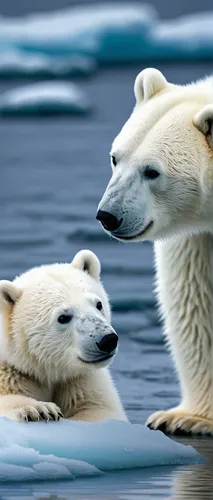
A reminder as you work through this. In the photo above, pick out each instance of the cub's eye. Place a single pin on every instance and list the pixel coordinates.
(99, 305)
(151, 173)
(64, 319)
(114, 162)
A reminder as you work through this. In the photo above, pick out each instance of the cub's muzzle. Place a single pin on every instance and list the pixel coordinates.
(108, 343)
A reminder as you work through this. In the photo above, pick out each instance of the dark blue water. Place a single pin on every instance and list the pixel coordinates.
(165, 8)
(53, 174)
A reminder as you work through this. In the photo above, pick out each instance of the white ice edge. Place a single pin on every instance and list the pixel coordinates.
(68, 449)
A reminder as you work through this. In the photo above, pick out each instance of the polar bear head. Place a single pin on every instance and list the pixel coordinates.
(56, 320)
(162, 162)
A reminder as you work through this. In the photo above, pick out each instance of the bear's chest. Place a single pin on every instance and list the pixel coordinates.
(69, 397)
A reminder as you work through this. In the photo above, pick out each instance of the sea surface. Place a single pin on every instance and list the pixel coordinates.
(53, 174)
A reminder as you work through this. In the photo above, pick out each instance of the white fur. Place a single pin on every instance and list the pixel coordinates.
(170, 130)
(47, 367)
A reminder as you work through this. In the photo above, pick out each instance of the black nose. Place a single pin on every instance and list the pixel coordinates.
(108, 343)
(108, 221)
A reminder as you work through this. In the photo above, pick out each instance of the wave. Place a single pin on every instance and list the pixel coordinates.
(149, 337)
(72, 40)
(85, 236)
(132, 304)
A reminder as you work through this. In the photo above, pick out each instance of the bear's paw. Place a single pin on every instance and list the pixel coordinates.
(180, 423)
(39, 411)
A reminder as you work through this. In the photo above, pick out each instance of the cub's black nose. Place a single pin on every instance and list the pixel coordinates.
(108, 221)
(108, 343)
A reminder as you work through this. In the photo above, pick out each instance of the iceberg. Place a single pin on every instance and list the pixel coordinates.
(18, 63)
(68, 449)
(106, 32)
(74, 39)
(44, 99)
(187, 37)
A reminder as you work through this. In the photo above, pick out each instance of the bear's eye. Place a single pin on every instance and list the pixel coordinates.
(114, 162)
(99, 305)
(151, 173)
(64, 319)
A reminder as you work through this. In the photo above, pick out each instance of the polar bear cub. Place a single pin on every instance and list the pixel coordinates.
(56, 343)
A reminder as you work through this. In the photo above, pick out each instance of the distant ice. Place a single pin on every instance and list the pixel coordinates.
(188, 36)
(67, 449)
(72, 39)
(107, 32)
(15, 62)
(44, 98)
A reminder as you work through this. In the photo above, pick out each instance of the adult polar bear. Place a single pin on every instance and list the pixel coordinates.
(162, 186)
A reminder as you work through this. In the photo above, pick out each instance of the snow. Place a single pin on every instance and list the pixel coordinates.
(68, 449)
(44, 98)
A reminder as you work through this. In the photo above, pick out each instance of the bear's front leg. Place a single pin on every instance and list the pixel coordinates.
(23, 399)
(96, 415)
(177, 421)
(184, 289)
(25, 409)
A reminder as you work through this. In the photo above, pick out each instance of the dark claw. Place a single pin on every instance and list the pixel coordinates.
(60, 414)
(29, 418)
(53, 416)
(42, 415)
(181, 432)
(162, 427)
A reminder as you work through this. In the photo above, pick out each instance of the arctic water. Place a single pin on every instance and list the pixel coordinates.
(53, 173)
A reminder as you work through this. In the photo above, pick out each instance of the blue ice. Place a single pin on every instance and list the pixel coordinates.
(187, 37)
(67, 449)
(74, 39)
(16, 62)
(44, 98)
(106, 32)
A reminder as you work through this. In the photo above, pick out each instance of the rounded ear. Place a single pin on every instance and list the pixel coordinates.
(9, 293)
(87, 261)
(148, 83)
(203, 120)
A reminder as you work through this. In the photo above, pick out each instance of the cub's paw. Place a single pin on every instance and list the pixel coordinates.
(38, 411)
(179, 422)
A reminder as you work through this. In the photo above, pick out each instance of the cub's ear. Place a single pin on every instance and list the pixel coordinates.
(203, 120)
(86, 261)
(9, 293)
(148, 83)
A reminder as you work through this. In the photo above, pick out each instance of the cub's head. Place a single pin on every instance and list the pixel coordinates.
(56, 320)
(162, 162)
